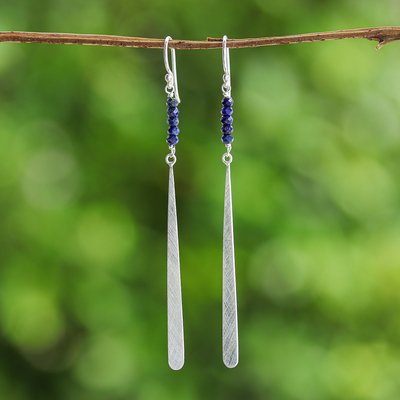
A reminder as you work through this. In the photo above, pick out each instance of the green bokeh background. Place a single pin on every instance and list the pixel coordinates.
(83, 198)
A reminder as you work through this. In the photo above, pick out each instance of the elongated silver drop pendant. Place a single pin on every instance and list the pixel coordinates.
(230, 335)
(176, 352)
(176, 349)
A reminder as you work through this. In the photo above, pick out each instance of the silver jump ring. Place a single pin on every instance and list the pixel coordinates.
(171, 155)
(170, 162)
(169, 78)
(227, 158)
(226, 90)
(227, 155)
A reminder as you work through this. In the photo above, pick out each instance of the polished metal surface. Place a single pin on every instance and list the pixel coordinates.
(176, 352)
(171, 78)
(230, 339)
(226, 87)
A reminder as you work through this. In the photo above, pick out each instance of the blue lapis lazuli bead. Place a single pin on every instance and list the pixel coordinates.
(172, 121)
(172, 102)
(226, 120)
(227, 129)
(172, 112)
(172, 140)
(173, 130)
(227, 102)
(227, 139)
(227, 111)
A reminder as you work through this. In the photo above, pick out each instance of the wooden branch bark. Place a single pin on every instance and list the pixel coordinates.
(382, 35)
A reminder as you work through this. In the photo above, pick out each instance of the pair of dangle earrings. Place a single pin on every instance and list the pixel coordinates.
(230, 342)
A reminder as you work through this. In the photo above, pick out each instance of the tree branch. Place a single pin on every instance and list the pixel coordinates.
(382, 35)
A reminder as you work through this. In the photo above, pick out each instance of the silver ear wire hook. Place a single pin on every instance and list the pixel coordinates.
(171, 77)
(226, 87)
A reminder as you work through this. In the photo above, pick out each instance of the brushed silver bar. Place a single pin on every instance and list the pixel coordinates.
(176, 352)
(230, 336)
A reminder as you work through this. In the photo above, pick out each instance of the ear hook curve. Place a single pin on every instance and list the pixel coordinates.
(173, 72)
(226, 66)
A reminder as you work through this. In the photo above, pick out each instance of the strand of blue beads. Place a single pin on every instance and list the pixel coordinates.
(227, 120)
(172, 121)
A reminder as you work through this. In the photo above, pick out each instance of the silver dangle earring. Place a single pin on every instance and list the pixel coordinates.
(176, 352)
(230, 335)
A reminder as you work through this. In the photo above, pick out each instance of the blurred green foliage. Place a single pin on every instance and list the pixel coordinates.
(83, 192)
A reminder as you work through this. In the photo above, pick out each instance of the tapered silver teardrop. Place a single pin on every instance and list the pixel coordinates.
(176, 352)
(230, 339)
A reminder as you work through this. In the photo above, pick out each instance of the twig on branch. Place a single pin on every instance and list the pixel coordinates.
(382, 35)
